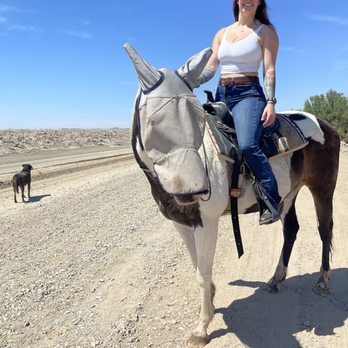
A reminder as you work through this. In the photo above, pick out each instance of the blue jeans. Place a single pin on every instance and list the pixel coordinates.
(247, 102)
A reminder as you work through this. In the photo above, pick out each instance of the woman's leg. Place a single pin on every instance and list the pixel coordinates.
(247, 104)
(247, 119)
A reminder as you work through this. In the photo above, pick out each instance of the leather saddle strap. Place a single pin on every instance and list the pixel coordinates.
(234, 208)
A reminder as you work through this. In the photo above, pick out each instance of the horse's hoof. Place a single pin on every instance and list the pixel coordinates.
(273, 289)
(196, 341)
(321, 289)
(273, 286)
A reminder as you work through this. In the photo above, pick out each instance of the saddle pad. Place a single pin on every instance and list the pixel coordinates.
(289, 130)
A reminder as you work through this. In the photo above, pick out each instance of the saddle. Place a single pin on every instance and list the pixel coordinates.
(282, 137)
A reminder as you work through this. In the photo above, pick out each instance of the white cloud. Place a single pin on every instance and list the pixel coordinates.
(23, 28)
(5, 8)
(329, 19)
(10, 27)
(79, 34)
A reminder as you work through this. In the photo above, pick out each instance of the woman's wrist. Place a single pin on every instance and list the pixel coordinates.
(272, 100)
(271, 106)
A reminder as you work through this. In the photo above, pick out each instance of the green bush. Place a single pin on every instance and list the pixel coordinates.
(331, 107)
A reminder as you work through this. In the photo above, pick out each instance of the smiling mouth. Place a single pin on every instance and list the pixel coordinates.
(247, 5)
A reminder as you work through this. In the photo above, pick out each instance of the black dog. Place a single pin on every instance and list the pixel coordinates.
(20, 180)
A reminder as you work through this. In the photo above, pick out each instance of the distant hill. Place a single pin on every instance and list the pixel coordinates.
(32, 140)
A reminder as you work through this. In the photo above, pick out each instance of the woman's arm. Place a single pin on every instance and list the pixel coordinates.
(270, 49)
(213, 62)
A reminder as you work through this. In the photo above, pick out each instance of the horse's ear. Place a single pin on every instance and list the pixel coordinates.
(147, 74)
(192, 69)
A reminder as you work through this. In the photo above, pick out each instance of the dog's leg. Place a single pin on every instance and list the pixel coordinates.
(22, 191)
(29, 190)
(15, 188)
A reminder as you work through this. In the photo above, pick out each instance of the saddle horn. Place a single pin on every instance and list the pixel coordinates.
(148, 76)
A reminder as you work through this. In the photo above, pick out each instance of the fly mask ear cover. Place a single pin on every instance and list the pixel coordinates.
(172, 133)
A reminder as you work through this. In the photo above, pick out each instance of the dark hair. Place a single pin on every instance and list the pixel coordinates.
(261, 12)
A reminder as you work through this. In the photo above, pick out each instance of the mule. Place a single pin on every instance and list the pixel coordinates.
(190, 183)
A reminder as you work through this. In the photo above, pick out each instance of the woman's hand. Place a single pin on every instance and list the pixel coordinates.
(268, 115)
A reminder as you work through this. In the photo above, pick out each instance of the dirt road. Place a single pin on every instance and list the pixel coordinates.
(90, 262)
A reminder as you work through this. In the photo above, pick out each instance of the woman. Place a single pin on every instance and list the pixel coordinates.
(239, 48)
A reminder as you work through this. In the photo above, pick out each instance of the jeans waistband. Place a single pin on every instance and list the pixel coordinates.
(231, 81)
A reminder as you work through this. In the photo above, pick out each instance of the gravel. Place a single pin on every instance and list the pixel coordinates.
(90, 262)
(81, 261)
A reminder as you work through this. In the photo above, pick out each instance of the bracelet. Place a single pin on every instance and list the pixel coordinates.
(272, 100)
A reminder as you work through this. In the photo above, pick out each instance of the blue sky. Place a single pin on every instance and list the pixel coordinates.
(62, 63)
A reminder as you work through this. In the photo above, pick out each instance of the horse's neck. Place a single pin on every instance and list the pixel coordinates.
(216, 166)
(208, 151)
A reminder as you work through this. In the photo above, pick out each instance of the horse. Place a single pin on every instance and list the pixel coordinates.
(190, 182)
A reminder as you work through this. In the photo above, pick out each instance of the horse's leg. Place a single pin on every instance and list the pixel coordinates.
(205, 242)
(321, 168)
(187, 234)
(290, 229)
(323, 206)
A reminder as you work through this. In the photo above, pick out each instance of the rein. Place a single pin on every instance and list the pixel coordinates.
(207, 175)
(234, 194)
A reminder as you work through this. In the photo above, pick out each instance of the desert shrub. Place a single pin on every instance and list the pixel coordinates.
(331, 107)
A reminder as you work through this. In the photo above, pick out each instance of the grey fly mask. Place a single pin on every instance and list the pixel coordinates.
(172, 123)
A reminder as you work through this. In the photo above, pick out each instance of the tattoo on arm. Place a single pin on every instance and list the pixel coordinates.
(206, 75)
(269, 85)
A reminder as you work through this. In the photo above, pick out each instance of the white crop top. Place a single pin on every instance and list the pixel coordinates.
(241, 56)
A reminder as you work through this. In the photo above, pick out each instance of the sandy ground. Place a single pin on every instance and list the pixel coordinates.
(90, 262)
(61, 151)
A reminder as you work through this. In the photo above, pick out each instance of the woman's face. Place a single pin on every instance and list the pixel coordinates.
(246, 6)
